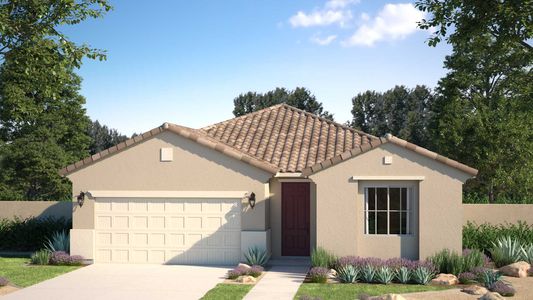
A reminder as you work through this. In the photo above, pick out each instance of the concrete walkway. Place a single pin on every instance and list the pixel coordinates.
(281, 281)
(114, 281)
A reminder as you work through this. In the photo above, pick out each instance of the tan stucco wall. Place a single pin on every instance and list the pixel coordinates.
(498, 213)
(27, 209)
(340, 201)
(275, 213)
(194, 168)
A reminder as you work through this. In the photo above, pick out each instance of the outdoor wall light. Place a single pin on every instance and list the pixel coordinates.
(81, 198)
(251, 199)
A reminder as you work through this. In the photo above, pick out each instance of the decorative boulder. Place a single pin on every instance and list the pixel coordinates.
(475, 290)
(243, 266)
(445, 279)
(492, 296)
(332, 274)
(517, 269)
(246, 279)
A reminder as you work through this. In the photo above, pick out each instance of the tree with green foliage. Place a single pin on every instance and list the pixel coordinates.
(400, 111)
(484, 108)
(300, 98)
(43, 125)
(103, 137)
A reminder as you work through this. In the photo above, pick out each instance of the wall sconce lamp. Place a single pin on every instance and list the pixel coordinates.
(251, 199)
(81, 197)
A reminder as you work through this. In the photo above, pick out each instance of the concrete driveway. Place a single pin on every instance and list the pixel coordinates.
(126, 282)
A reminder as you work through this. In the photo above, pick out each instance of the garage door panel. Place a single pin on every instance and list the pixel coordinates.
(176, 231)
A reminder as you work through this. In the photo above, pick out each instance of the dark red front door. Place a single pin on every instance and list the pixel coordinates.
(295, 214)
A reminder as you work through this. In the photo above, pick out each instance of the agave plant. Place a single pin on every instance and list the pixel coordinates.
(527, 253)
(60, 241)
(257, 256)
(506, 251)
(489, 277)
(368, 273)
(384, 275)
(347, 274)
(423, 275)
(403, 275)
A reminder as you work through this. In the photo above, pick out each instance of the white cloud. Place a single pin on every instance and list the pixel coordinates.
(334, 4)
(320, 18)
(394, 21)
(323, 41)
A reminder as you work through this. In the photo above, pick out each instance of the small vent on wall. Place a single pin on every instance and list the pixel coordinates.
(167, 154)
(387, 160)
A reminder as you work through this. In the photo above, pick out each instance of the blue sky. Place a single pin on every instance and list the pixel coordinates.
(184, 61)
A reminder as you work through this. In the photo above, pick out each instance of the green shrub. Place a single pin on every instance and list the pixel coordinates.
(319, 274)
(29, 234)
(347, 274)
(60, 241)
(527, 253)
(257, 256)
(473, 258)
(506, 250)
(481, 236)
(41, 257)
(320, 257)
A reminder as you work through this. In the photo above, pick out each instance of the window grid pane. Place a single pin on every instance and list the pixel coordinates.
(387, 210)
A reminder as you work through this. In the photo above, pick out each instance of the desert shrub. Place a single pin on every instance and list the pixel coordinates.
(255, 271)
(41, 257)
(3, 281)
(503, 289)
(62, 258)
(29, 234)
(402, 275)
(488, 277)
(236, 272)
(257, 256)
(368, 273)
(320, 257)
(319, 274)
(423, 275)
(467, 277)
(481, 236)
(347, 274)
(506, 250)
(384, 275)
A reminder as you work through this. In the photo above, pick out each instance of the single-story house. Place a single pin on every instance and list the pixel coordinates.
(280, 178)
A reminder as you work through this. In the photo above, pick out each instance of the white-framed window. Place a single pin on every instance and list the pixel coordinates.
(387, 210)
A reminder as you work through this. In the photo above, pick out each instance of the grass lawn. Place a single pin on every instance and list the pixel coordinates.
(228, 291)
(350, 291)
(18, 273)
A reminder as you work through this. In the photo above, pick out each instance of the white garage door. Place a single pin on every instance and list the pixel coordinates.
(167, 230)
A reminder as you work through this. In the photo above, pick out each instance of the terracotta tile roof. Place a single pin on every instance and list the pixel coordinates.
(286, 137)
(280, 138)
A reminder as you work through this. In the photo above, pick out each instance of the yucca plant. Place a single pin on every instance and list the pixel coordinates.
(41, 257)
(506, 251)
(348, 274)
(384, 275)
(368, 273)
(402, 275)
(60, 241)
(422, 275)
(256, 256)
